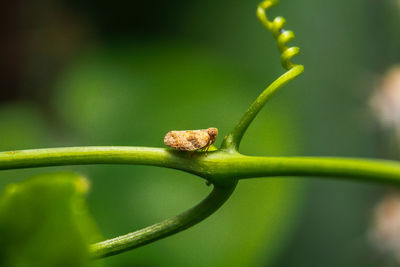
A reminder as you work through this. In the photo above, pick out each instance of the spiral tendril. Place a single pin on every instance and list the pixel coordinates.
(281, 35)
(232, 140)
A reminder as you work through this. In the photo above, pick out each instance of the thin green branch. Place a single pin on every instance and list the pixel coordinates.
(165, 228)
(219, 167)
(232, 141)
(362, 170)
(83, 155)
(97, 155)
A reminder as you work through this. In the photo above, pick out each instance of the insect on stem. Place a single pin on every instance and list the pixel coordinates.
(191, 140)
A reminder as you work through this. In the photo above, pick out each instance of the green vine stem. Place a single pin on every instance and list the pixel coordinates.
(220, 168)
(232, 141)
(165, 228)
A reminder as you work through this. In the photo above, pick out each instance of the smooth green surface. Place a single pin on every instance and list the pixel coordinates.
(44, 222)
(232, 141)
(218, 167)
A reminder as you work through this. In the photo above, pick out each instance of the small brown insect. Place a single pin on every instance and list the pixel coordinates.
(191, 140)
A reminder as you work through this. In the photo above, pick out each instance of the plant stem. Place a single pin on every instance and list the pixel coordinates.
(363, 170)
(232, 141)
(165, 228)
(95, 155)
(219, 167)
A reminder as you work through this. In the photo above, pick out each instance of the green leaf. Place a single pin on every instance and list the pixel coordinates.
(44, 222)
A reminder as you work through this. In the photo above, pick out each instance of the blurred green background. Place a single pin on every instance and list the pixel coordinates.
(126, 72)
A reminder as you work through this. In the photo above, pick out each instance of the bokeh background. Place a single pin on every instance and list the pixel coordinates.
(126, 72)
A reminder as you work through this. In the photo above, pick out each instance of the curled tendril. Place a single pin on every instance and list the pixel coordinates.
(281, 35)
(232, 140)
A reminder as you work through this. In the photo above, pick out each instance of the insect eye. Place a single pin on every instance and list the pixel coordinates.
(212, 131)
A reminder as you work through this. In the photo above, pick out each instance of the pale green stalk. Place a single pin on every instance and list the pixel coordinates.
(219, 167)
(165, 228)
